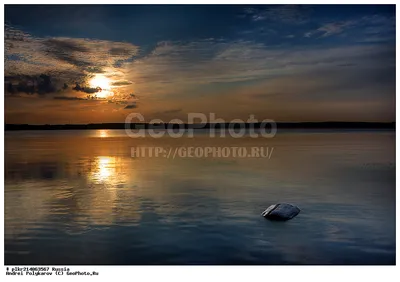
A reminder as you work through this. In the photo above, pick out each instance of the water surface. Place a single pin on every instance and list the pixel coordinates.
(78, 197)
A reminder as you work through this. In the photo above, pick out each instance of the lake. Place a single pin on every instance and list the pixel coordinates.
(79, 197)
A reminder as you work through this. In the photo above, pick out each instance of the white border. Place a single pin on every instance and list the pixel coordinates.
(214, 273)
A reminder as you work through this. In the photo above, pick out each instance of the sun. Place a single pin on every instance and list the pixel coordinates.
(102, 82)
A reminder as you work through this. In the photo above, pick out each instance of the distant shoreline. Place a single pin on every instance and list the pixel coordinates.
(280, 125)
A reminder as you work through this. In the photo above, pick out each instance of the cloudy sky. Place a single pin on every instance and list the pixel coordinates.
(93, 64)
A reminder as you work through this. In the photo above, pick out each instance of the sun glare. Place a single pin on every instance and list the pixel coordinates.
(100, 81)
(103, 133)
(104, 170)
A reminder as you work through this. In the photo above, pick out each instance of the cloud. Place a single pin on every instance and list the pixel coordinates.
(132, 106)
(96, 69)
(240, 61)
(30, 84)
(331, 29)
(89, 90)
(122, 51)
(289, 14)
(66, 50)
(121, 83)
(31, 61)
(366, 26)
(69, 98)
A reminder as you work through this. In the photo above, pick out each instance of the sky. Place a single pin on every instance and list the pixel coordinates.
(290, 63)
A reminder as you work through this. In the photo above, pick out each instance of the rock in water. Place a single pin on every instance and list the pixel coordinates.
(281, 212)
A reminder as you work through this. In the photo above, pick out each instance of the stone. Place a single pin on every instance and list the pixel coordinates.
(281, 211)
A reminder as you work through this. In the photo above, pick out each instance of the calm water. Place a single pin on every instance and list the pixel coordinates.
(78, 197)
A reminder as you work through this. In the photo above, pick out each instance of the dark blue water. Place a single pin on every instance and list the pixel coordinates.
(78, 197)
